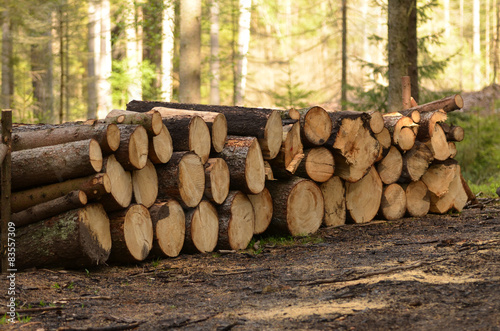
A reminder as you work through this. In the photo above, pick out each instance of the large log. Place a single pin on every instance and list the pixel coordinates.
(438, 144)
(217, 180)
(318, 164)
(132, 234)
(401, 130)
(94, 187)
(393, 202)
(291, 153)
(418, 199)
(428, 123)
(263, 209)
(216, 122)
(169, 228)
(151, 121)
(79, 238)
(415, 162)
(390, 167)
(453, 132)
(265, 124)
(439, 176)
(202, 228)
(447, 104)
(298, 206)
(145, 185)
(454, 198)
(182, 178)
(315, 126)
(160, 147)
(363, 197)
(120, 195)
(236, 221)
(51, 164)
(385, 142)
(33, 136)
(134, 147)
(72, 200)
(246, 165)
(376, 121)
(334, 195)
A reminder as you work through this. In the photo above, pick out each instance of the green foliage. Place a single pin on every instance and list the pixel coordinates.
(3, 320)
(292, 95)
(23, 319)
(256, 244)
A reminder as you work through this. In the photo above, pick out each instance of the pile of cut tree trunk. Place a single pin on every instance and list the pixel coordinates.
(160, 178)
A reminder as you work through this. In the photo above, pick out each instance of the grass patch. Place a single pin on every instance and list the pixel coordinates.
(258, 243)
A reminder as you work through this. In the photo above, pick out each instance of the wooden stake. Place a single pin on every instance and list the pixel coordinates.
(406, 85)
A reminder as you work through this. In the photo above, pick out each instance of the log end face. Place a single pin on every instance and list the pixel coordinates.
(241, 225)
(262, 204)
(145, 185)
(170, 229)
(113, 137)
(320, 164)
(95, 155)
(161, 148)
(317, 126)
(199, 138)
(305, 208)
(273, 136)
(334, 196)
(219, 181)
(138, 232)
(363, 197)
(191, 179)
(156, 122)
(138, 148)
(393, 202)
(95, 234)
(205, 227)
(255, 172)
(219, 132)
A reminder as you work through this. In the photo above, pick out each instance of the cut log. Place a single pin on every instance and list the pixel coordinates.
(355, 149)
(298, 206)
(263, 209)
(415, 162)
(293, 113)
(79, 238)
(121, 185)
(453, 149)
(217, 180)
(428, 123)
(453, 132)
(334, 195)
(182, 178)
(151, 121)
(132, 234)
(438, 144)
(94, 187)
(376, 121)
(134, 147)
(34, 136)
(447, 104)
(72, 200)
(202, 228)
(418, 199)
(216, 123)
(385, 143)
(169, 228)
(413, 114)
(291, 152)
(363, 197)
(401, 129)
(246, 165)
(454, 198)
(390, 167)
(145, 185)
(439, 176)
(315, 126)
(160, 147)
(393, 203)
(236, 221)
(51, 164)
(318, 165)
(265, 124)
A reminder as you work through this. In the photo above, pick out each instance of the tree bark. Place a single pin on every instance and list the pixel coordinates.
(134, 147)
(453, 132)
(145, 185)
(190, 51)
(169, 228)
(151, 121)
(447, 104)
(335, 205)
(428, 121)
(202, 228)
(121, 185)
(236, 221)
(263, 209)
(390, 167)
(393, 202)
(161, 147)
(217, 179)
(318, 165)
(363, 197)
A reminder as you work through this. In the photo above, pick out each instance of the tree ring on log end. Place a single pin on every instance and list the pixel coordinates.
(191, 179)
(263, 209)
(219, 132)
(138, 147)
(255, 172)
(219, 181)
(205, 227)
(241, 225)
(161, 146)
(273, 134)
(138, 232)
(199, 138)
(113, 136)
(95, 223)
(305, 208)
(317, 126)
(171, 229)
(95, 155)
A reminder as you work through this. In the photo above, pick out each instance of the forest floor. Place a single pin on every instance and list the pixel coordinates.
(439, 272)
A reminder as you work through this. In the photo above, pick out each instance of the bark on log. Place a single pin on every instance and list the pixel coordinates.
(182, 178)
(202, 228)
(217, 180)
(393, 202)
(428, 123)
(246, 165)
(315, 126)
(413, 114)
(447, 104)
(415, 162)
(51, 164)
(94, 187)
(418, 200)
(453, 132)
(216, 123)
(34, 136)
(79, 238)
(298, 206)
(72, 200)
(390, 167)
(438, 144)
(132, 234)
(134, 147)
(334, 195)
(291, 153)
(236, 221)
(439, 176)
(265, 124)
(363, 197)
(121, 185)
(401, 129)
(169, 228)
(160, 147)
(151, 121)
(318, 164)
(145, 185)
(376, 121)
(263, 209)
(470, 195)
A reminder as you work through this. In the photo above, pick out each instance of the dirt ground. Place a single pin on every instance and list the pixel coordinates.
(432, 273)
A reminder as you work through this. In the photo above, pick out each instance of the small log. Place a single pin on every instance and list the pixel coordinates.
(263, 210)
(315, 126)
(318, 164)
(453, 132)
(438, 144)
(334, 195)
(120, 195)
(385, 143)
(376, 121)
(246, 165)
(363, 197)
(453, 149)
(428, 123)
(134, 147)
(393, 203)
(447, 104)
(182, 178)
(236, 221)
(151, 121)
(94, 187)
(34, 136)
(298, 206)
(291, 152)
(72, 200)
(79, 238)
(169, 228)
(264, 124)
(217, 180)
(415, 163)
(160, 147)
(413, 114)
(216, 122)
(439, 176)
(51, 164)
(390, 167)
(454, 198)
(418, 199)
(202, 228)
(132, 234)
(401, 129)
(145, 185)
(293, 113)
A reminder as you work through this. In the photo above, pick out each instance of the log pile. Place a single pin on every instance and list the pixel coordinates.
(163, 178)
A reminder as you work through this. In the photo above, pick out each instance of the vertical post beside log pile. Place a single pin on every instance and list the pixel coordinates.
(5, 174)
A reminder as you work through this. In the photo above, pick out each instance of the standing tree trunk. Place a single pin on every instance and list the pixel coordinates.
(190, 51)
(7, 67)
(93, 63)
(413, 49)
(214, 53)
(41, 76)
(343, 98)
(243, 44)
(105, 102)
(133, 53)
(167, 50)
(476, 43)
